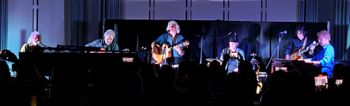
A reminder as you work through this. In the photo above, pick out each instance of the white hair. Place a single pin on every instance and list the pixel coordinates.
(31, 37)
(325, 34)
(109, 32)
(173, 23)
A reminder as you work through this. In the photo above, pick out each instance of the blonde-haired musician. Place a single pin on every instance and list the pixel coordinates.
(324, 58)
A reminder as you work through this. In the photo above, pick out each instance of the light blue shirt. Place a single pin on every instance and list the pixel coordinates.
(167, 38)
(326, 58)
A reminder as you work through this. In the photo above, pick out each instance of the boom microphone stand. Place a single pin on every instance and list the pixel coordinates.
(277, 48)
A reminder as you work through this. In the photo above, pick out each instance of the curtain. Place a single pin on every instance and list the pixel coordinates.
(3, 24)
(336, 13)
(340, 29)
(85, 19)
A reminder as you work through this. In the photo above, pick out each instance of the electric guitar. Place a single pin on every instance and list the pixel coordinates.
(298, 53)
(160, 53)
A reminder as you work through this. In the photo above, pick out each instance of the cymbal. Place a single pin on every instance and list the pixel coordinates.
(210, 60)
(213, 59)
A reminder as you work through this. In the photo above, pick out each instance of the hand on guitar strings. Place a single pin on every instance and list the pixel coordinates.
(178, 49)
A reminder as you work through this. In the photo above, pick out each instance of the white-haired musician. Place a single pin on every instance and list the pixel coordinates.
(33, 43)
(168, 48)
(108, 43)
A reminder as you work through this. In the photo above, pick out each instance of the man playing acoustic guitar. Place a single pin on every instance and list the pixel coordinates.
(297, 46)
(168, 48)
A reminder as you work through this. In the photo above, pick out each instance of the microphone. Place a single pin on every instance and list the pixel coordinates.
(283, 32)
(228, 34)
(314, 43)
(40, 44)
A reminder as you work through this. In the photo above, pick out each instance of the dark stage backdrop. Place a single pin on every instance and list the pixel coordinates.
(208, 38)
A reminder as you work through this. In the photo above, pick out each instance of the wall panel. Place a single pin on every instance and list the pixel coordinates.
(244, 10)
(207, 10)
(135, 9)
(51, 21)
(282, 10)
(170, 9)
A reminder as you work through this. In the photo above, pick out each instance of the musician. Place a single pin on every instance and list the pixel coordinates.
(172, 38)
(298, 43)
(108, 43)
(33, 43)
(324, 58)
(232, 55)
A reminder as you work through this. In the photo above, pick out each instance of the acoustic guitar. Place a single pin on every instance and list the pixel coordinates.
(160, 53)
(298, 53)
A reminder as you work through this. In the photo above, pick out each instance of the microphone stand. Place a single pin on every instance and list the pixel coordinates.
(276, 50)
(201, 51)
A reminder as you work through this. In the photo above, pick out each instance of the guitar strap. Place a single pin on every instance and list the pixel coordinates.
(174, 40)
(304, 44)
(166, 38)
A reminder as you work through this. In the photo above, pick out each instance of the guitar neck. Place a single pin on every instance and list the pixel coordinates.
(183, 44)
(302, 51)
(180, 44)
(307, 48)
